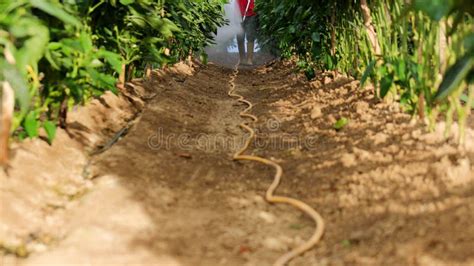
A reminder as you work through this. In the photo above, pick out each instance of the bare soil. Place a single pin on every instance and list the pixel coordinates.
(168, 193)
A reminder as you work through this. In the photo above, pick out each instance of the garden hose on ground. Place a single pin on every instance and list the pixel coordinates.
(269, 196)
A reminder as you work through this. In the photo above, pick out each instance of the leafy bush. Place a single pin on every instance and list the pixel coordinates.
(56, 54)
(418, 52)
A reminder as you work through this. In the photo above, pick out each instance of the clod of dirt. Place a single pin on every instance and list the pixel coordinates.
(316, 112)
(455, 175)
(362, 154)
(380, 138)
(315, 84)
(348, 160)
(361, 107)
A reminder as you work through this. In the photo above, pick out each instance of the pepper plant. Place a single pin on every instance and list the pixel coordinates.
(59, 53)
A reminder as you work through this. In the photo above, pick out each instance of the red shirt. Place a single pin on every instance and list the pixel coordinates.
(243, 6)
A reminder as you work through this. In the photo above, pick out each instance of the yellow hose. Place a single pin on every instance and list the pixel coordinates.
(269, 196)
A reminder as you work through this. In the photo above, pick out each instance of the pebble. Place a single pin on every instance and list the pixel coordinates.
(274, 244)
(316, 112)
(348, 160)
(267, 217)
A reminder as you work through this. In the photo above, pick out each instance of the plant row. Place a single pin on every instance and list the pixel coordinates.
(417, 52)
(57, 54)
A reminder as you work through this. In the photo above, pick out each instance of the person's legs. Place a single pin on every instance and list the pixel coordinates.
(241, 46)
(250, 51)
(251, 31)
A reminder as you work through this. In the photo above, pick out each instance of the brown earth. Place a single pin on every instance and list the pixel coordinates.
(169, 193)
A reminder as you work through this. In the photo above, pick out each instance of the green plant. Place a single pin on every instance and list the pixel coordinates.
(341, 123)
(56, 54)
(419, 52)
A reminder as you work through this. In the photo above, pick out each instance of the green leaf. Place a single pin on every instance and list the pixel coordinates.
(50, 128)
(168, 28)
(465, 99)
(49, 55)
(204, 58)
(54, 45)
(385, 84)
(469, 42)
(368, 71)
(454, 76)
(346, 243)
(55, 11)
(126, 2)
(86, 42)
(100, 80)
(341, 123)
(31, 125)
(95, 63)
(316, 37)
(309, 73)
(18, 83)
(115, 60)
(401, 70)
(292, 29)
(36, 38)
(435, 9)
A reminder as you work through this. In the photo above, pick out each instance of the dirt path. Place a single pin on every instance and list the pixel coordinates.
(170, 194)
